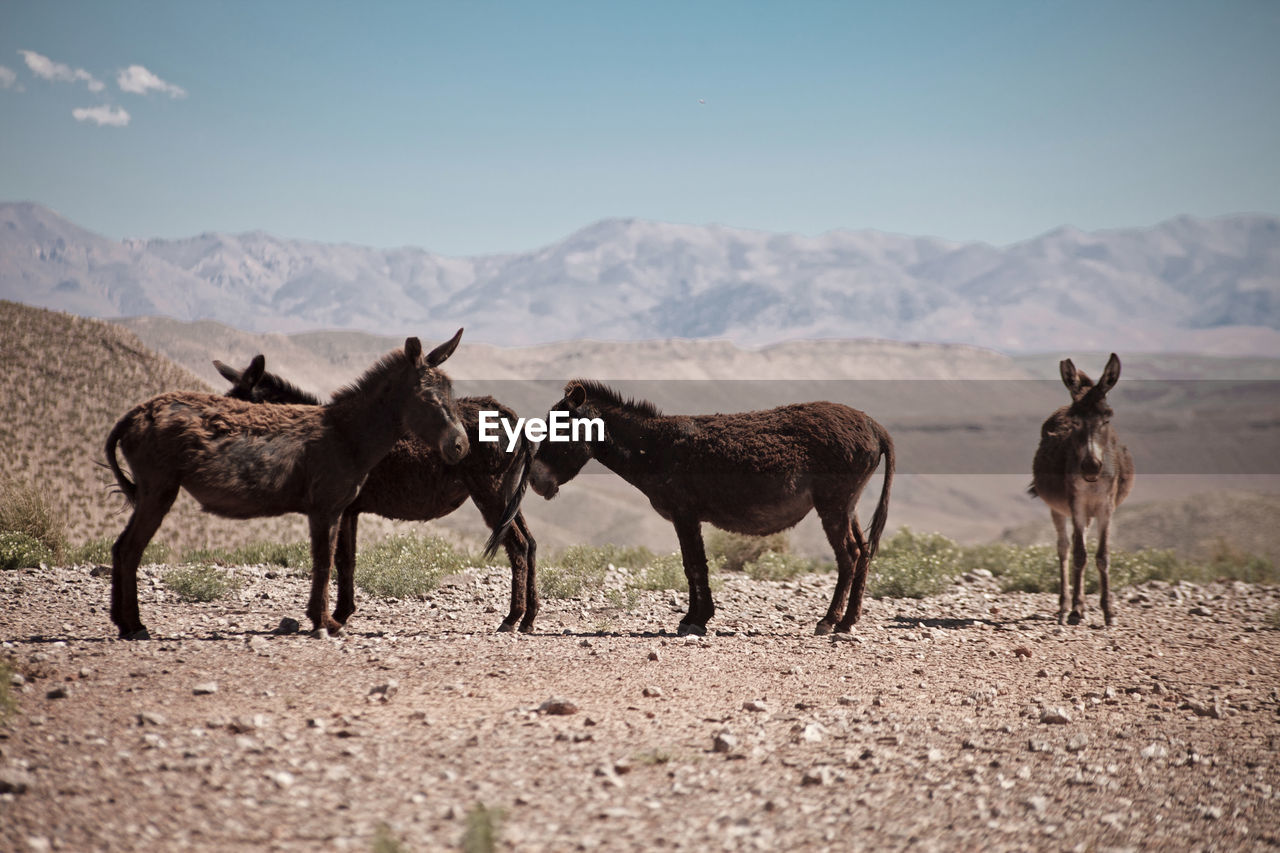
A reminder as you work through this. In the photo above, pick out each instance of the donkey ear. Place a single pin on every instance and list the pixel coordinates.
(442, 352)
(1070, 376)
(228, 372)
(1110, 374)
(413, 349)
(253, 373)
(575, 395)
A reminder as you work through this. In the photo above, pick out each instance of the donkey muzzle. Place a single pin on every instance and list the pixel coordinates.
(453, 448)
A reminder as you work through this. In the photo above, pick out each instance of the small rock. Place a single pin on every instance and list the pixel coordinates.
(755, 706)
(1077, 742)
(14, 780)
(151, 718)
(935, 755)
(1211, 812)
(1202, 709)
(1036, 745)
(282, 778)
(205, 688)
(557, 707)
(1155, 750)
(609, 776)
(817, 776)
(384, 692)
(59, 692)
(652, 692)
(1022, 652)
(848, 700)
(288, 626)
(1055, 716)
(724, 741)
(812, 733)
(1037, 804)
(654, 655)
(17, 679)
(38, 844)
(1200, 611)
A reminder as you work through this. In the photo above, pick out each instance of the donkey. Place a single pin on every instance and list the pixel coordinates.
(244, 461)
(755, 473)
(1082, 471)
(414, 483)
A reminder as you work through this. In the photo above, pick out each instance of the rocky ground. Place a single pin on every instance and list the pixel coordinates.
(968, 720)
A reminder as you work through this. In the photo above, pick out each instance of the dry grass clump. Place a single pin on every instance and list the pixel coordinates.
(736, 550)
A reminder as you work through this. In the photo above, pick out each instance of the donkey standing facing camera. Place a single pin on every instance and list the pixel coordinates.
(1082, 471)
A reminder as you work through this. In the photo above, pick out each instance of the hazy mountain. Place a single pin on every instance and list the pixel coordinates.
(1208, 285)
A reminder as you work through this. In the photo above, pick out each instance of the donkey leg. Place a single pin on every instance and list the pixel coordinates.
(126, 554)
(694, 556)
(1079, 556)
(1103, 559)
(1064, 549)
(517, 548)
(860, 555)
(836, 525)
(531, 576)
(324, 538)
(344, 561)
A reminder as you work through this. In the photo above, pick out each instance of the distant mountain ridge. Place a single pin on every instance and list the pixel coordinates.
(1187, 284)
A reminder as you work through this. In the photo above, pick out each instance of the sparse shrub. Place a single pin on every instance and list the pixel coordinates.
(484, 826)
(24, 509)
(736, 550)
(1230, 563)
(406, 566)
(21, 551)
(622, 599)
(913, 565)
(386, 842)
(582, 567)
(199, 583)
(773, 566)
(7, 702)
(293, 555)
(667, 572)
(1022, 568)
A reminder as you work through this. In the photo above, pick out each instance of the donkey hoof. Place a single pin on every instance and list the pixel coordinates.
(1062, 617)
(1075, 618)
(688, 628)
(824, 628)
(1107, 619)
(506, 627)
(140, 634)
(526, 627)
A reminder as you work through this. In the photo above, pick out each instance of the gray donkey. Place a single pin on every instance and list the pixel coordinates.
(1082, 471)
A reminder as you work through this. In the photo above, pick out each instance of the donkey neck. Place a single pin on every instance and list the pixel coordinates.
(370, 417)
(632, 439)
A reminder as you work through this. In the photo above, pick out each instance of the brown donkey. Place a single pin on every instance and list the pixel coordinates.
(755, 473)
(414, 483)
(244, 461)
(1083, 472)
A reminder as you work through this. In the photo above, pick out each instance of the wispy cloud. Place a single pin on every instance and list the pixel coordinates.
(139, 81)
(110, 116)
(46, 69)
(8, 78)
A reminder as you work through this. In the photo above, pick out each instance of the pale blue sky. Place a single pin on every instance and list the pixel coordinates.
(472, 128)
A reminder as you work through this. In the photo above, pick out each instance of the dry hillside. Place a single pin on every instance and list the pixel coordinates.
(66, 380)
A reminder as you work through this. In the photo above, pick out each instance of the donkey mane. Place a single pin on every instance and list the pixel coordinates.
(599, 392)
(285, 388)
(375, 374)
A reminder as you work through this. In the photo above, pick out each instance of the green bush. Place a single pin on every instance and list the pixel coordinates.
(7, 702)
(293, 555)
(773, 566)
(736, 550)
(484, 827)
(199, 583)
(667, 572)
(1230, 563)
(582, 567)
(24, 509)
(98, 552)
(406, 566)
(913, 565)
(20, 551)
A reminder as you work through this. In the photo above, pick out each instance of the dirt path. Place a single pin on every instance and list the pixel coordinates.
(965, 721)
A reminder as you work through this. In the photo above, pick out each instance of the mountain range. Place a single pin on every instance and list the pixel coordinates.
(1186, 285)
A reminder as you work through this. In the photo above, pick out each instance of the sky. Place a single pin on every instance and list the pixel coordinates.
(477, 128)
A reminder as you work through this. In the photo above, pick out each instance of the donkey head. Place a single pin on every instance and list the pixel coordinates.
(558, 462)
(1090, 416)
(430, 411)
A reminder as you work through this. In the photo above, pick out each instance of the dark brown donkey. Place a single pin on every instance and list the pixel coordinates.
(244, 461)
(414, 483)
(1083, 472)
(755, 473)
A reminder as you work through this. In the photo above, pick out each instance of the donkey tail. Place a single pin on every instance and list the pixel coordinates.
(127, 486)
(882, 508)
(514, 484)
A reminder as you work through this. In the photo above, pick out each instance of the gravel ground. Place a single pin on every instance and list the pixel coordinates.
(968, 720)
